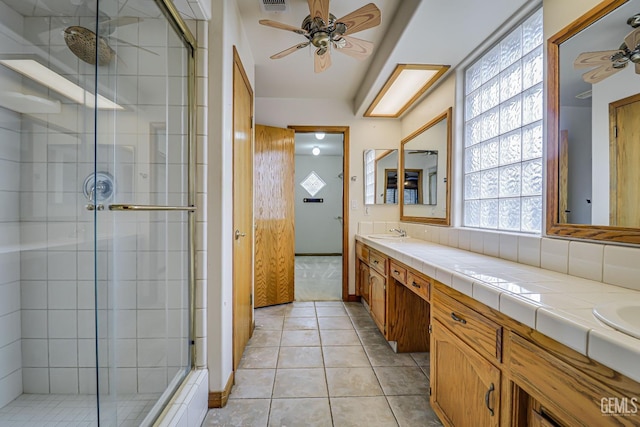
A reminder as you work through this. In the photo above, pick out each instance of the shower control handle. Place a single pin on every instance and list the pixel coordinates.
(92, 207)
(239, 234)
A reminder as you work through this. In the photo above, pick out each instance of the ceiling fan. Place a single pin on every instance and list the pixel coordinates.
(609, 62)
(324, 31)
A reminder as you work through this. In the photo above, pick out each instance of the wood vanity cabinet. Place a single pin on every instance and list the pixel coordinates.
(489, 370)
(465, 383)
(465, 387)
(378, 299)
(371, 283)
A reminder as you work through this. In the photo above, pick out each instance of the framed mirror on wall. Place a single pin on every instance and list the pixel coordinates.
(381, 177)
(593, 155)
(425, 165)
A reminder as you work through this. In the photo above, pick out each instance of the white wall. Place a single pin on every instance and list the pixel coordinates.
(225, 31)
(363, 134)
(577, 121)
(317, 231)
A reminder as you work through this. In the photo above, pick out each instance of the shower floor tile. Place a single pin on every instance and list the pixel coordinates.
(38, 410)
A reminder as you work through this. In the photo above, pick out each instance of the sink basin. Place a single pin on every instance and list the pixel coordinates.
(384, 236)
(623, 316)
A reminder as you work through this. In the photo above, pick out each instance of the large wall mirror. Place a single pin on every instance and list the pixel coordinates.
(593, 154)
(380, 176)
(425, 166)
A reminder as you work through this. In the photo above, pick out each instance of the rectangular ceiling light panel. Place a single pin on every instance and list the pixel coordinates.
(405, 86)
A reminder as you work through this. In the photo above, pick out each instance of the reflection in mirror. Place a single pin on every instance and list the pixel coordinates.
(425, 166)
(595, 95)
(380, 176)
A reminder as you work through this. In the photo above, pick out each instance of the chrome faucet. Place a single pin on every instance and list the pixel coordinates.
(400, 231)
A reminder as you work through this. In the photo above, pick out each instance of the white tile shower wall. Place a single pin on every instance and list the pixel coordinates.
(611, 264)
(200, 29)
(10, 333)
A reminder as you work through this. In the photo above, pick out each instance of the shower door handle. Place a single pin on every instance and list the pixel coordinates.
(127, 207)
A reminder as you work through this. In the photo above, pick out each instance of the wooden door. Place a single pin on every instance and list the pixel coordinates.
(624, 155)
(378, 299)
(242, 209)
(274, 216)
(465, 387)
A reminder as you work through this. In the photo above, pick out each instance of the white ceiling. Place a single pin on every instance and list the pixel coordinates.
(412, 31)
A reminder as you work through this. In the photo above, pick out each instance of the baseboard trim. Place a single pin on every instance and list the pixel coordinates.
(218, 399)
(353, 298)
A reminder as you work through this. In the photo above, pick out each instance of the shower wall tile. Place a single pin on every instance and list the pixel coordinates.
(35, 380)
(62, 324)
(10, 328)
(33, 295)
(34, 353)
(63, 380)
(63, 353)
(10, 358)
(62, 295)
(9, 298)
(10, 387)
(34, 324)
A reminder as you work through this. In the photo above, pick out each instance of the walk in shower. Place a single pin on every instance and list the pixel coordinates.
(96, 210)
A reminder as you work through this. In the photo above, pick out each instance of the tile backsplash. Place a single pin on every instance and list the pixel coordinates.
(611, 264)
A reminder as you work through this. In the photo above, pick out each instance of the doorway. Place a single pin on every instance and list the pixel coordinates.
(321, 214)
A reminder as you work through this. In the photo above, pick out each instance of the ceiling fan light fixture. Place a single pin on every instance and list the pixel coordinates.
(315, 151)
(407, 83)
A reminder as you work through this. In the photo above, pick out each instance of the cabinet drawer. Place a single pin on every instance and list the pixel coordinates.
(484, 335)
(571, 395)
(378, 262)
(362, 252)
(418, 285)
(397, 272)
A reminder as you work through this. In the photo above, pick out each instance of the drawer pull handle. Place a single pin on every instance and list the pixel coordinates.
(375, 261)
(458, 319)
(487, 396)
(396, 272)
(415, 285)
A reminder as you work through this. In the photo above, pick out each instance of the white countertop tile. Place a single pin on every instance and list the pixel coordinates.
(556, 304)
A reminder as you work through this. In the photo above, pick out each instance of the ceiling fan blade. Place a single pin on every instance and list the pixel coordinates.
(356, 48)
(591, 59)
(632, 40)
(281, 26)
(290, 50)
(600, 73)
(368, 16)
(321, 61)
(319, 9)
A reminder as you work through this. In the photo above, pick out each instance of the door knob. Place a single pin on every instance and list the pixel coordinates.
(239, 234)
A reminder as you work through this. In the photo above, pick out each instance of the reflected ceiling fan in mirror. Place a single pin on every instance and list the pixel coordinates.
(324, 32)
(609, 62)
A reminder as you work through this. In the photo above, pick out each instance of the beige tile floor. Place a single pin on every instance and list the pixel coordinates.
(325, 364)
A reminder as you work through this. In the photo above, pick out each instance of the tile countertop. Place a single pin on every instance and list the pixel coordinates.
(557, 305)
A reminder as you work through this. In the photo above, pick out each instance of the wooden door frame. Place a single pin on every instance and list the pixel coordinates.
(237, 61)
(344, 130)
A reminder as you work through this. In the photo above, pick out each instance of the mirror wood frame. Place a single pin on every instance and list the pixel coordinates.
(446, 221)
(553, 226)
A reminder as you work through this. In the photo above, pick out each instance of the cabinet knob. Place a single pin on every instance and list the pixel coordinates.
(415, 285)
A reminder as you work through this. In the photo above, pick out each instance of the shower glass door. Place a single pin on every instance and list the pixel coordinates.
(142, 198)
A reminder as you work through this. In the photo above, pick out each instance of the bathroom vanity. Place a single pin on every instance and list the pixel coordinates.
(503, 352)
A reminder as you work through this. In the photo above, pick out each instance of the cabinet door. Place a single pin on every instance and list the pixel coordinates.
(363, 280)
(378, 299)
(465, 387)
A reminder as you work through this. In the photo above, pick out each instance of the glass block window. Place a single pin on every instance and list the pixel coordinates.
(313, 183)
(503, 133)
(369, 177)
